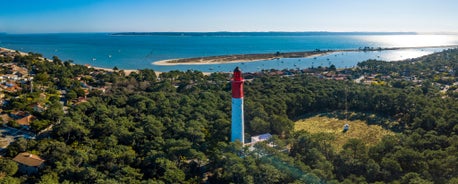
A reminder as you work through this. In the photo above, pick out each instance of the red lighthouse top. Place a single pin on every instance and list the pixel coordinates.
(237, 74)
(237, 84)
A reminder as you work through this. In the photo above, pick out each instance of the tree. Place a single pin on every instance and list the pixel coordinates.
(71, 95)
(281, 125)
(259, 126)
(38, 125)
(9, 180)
(54, 112)
(169, 172)
(8, 167)
(414, 178)
(56, 60)
(353, 158)
(50, 178)
(18, 146)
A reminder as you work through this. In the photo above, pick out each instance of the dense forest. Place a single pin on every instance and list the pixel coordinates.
(175, 127)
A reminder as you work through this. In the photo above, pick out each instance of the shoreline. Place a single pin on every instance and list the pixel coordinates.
(11, 50)
(240, 58)
(126, 71)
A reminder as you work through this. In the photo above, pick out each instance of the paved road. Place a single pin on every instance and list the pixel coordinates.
(11, 134)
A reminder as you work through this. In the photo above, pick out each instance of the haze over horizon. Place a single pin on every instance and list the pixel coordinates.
(55, 16)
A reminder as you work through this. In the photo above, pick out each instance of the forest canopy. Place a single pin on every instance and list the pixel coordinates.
(175, 127)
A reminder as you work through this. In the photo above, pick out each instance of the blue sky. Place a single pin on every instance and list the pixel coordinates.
(44, 16)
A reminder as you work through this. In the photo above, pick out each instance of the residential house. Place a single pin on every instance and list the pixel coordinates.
(37, 107)
(25, 121)
(42, 96)
(18, 114)
(257, 139)
(5, 118)
(11, 87)
(79, 100)
(28, 163)
(260, 138)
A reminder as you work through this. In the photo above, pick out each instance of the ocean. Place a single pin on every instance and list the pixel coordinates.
(141, 50)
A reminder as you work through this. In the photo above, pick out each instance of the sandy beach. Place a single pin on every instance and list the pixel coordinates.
(11, 50)
(240, 58)
(127, 72)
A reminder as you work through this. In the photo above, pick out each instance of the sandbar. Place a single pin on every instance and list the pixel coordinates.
(238, 58)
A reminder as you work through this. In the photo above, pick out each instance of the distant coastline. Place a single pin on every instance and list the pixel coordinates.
(267, 33)
(271, 56)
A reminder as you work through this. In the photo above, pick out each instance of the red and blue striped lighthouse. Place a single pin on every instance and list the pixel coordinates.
(237, 127)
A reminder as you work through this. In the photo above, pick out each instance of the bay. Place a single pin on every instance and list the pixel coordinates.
(141, 51)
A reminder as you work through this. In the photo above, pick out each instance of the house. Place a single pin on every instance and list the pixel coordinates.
(260, 138)
(102, 89)
(5, 118)
(42, 96)
(80, 100)
(18, 114)
(37, 107)
(25, 121)
(28, 163)
(10, 77)
(10, 87)
(257, 139)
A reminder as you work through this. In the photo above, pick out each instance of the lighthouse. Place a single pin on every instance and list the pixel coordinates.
(237, 127)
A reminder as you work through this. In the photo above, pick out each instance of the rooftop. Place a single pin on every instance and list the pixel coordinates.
(25, 121)
(28, 159)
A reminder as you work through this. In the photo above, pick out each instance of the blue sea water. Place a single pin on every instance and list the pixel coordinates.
(141, 51)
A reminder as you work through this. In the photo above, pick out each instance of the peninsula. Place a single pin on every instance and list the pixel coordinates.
(277, 55)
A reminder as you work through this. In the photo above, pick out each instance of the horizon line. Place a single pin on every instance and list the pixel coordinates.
(201, 32)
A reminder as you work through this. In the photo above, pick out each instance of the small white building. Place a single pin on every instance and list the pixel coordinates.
(257, 139)
(260, 138)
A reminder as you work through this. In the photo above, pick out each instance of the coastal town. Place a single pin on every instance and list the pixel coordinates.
(243, 92)
(24, 101)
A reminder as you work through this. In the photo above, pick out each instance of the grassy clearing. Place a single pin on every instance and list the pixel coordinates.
(369, 134)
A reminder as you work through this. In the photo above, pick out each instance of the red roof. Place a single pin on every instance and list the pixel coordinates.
(25, 121)
(28, 159)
